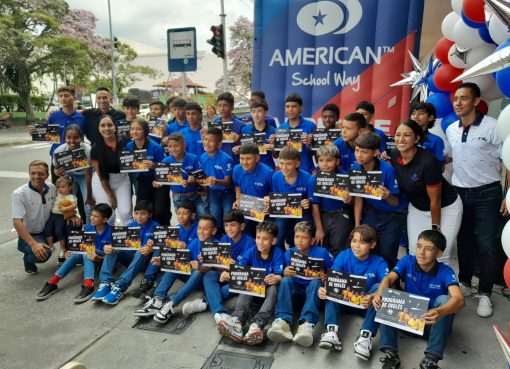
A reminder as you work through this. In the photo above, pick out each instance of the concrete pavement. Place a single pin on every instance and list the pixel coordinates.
(17, 134)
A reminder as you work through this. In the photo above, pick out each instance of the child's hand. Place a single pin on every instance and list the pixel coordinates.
(431, 317)
(68, 254)
(385, 193)
(212, 181)
(148, 164)
(289, 272)
(377, 300)
(60, 171)
(156, 184)
(194, 264)
(235, 149)
(146, 250)
(319, 236)
(272, 279)
(269, 146)
(108, 249)
(271, 139)
(91, 256)
(156, 260)
(224, 276)
(348, 200)
(113, 200)
(31, 130)
(235, 137)
(306, 139)
(235, 205)
(305, 203)
(266, 201)
(322, 293)
(367, 301)
(200, 258)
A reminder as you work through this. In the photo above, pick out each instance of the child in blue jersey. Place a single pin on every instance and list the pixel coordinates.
(98, 223)
(111, 291)
(251, 177)
(388, 215)
(368, 110)
(266, 255)
(206, 231)
(186, 212)
(193, 133)
(353, 125)
(217, 166)
(225, 103)
(359, 260)
(257, 96)
(333, 222)
(216, 289)
(189, 190)
(424, 276)
(258, 111)
(293, 110)
(178, 122)
(294, 289)
(290, 179)
(425, 115)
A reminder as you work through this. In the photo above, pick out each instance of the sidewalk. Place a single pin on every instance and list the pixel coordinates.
(50, 333)
(16, 135)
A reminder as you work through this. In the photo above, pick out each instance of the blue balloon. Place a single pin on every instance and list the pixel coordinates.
(503, 81)
(432, 85)
(485, 35)
(469, 22)
(441, 101)
(448, 120)
(503, 45)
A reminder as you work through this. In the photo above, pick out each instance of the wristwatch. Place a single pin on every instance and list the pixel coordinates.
(436, 227)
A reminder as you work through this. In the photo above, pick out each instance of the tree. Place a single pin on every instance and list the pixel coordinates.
(240, 55)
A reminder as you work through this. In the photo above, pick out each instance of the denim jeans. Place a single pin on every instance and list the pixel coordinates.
(196, 199)
(81, 183)
(192, 284)
(333, 310)
(220, 203)
(216, 292)
(29, 258)
(478, 236)
(292, 293)
(132, 260)
(437, 333)
(70, 263)
(389, 228)
(166, 282)
(151, 272)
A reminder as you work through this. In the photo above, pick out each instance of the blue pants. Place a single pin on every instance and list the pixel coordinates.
(29, 257)
(166, 282)
(151, 272)
(196, 199)
(70, 263)
(220, 203)
(291, 292)
(437, 333)
(333, 309)
(132, 260)
(193, 283)
(478, 238)
(216, 292)
(389, 228)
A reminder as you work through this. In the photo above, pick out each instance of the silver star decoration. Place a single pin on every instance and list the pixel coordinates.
(461, 53)
(501, 8)
(417, 78)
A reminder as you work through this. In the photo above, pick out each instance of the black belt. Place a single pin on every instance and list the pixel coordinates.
(479, 188)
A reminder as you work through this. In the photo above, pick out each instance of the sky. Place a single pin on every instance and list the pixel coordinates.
(146, 21)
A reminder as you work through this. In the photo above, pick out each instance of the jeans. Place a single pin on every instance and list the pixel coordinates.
(192, 284)
(81, 183)
(152, 271)
(55, 227)
(478, 236)
(134, 262)
(389, 228)
(166, 282)
(29, 258)
(333, 310)
(216, 292)
(70, 263)
(291, 293)
(195, 199)
(220, 203)
(262, 316)
(437, 333)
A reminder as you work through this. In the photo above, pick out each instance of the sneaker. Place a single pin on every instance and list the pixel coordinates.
(165, 313)
(193, 307)
(219, 317)
(103, 290)
(114, 296)
(150, 308)
(61, 257)
(465, 289)
(304, 336)
(254, 336)
(85, 294)
(330, 341)
(279, 331)
(363, 345)
(47, 291)
(484, 309)
(31, 269)
(390, 360)
(143, 289)
(429, 363)
(231, 328)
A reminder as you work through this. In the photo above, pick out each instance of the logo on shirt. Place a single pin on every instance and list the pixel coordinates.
(219, 167)
(414, 177)
(434, 286)
(260, 184)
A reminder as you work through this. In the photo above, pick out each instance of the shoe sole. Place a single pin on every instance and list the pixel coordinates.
(485, 315)
(31, 273)
(223, 330)
(82, 299)
(254, 339)
(145, 313)
(361, 356)
(303, 341)
(160, 320)
(42, 298)
(279, 336)
(193, 311)
(329, 346)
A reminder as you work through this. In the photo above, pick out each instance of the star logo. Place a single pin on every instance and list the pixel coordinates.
(319, 18)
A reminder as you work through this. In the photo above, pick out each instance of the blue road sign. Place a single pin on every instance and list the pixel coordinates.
(182, 49)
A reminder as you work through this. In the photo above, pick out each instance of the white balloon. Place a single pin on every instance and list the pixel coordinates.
(457, 6)
(505, 239)
(448, 23)
(503, 128)
(485, 82)
(466, 37)
(454, 59)
(479, 53)
(497, 29)
(505, 152)
(492, 93)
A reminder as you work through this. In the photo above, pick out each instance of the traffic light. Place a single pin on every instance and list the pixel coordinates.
(116, 42)
(217, 41)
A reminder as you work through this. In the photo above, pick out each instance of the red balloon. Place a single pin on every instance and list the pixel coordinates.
(442, 48)
(474, 10)
(482, 107)
(506, 274)
(444, 75)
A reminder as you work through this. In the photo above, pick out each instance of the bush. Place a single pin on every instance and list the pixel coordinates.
(13, 103)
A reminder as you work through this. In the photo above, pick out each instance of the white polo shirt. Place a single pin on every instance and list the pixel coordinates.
(476, 152)
(32, 207)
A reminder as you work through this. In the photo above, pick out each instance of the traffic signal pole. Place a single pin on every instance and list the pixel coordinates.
(114, 82)
(225, 71)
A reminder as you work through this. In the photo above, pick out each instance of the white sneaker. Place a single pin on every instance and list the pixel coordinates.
(193, 307)
(484, 306)
(231, 328)
(363, 345)
(218, 317)
(330, 341)
(304, 336)
(466, 290)
(165, 313)
(150, 308)
(254, 336)
(279, 331)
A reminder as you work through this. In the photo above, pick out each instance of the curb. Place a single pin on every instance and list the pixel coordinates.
(16, 142)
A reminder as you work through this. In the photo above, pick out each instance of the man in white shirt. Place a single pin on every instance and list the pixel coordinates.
(476, 151)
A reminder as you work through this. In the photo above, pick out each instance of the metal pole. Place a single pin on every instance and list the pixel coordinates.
(183, 84)
(225, 72)
(112, 50)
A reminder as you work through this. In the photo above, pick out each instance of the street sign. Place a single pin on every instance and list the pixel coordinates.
(182, 49)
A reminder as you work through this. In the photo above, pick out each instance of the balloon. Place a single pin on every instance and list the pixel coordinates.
(492, 94)
(432, 86)
(453, 58)
(482, 107)
(470, 23)
(503, 127)
(485, 82)
(442, 48)
(441, 101)
(448, 23)
(474, 10)
(503, 81)
(505, 238)
(457, 6)
(485, 35)
(466, 37)
(498, 30)
(444, 75)
(479, 53)
(506, 274)
(448, 120)
(505, 155)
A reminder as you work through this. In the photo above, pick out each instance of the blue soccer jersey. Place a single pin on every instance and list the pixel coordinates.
(146, 231)
(193, 139)
(308, 128)
(258, 183)
(347, 157)
(237, 249)
(64, 121)
(280, 185)
(273, 264)
(219, 166)
(102, 239)
(188, 235)
(435, 145)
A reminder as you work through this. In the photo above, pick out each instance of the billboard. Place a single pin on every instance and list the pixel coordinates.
(336, 51)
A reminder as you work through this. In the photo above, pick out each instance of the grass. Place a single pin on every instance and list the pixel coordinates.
(20, 117)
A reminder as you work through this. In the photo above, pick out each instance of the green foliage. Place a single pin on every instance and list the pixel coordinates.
(13, 103)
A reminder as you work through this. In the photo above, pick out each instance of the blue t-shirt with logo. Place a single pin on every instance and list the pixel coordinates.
(280, 185)
(146, 231)
(65, 121)
(347, 157)
(237, 249)
(102, 239)
(273, 264)
(314, 252)
(435, 145)
(188, 235)
(219, 166)
(193, 139)
(190, 163)
(308, 128)
(258, 183)
(174, 126)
